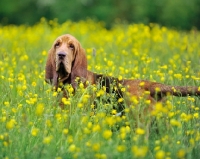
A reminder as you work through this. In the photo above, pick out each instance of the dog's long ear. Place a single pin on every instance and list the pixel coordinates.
(51, 76)
(79, 68)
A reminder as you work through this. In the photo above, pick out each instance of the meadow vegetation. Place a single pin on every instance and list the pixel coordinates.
(32, 125)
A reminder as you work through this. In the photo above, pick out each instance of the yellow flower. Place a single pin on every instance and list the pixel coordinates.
(70, 89)
(139, 151)
(181, 153)
(100, 156)
(121, 148)
(163, 67)
(178, 142)
(88, 144)
(128, 129)
(86, 131)
(114, 111)
(34, 131)
(5, 143)
(171, 114)
(191, 99)
(84, 119)
(110, 63)
(70, 139)
(89, 125)
(157, 148)
(100, 93)
(44, 53)
(34, 84)
(55, 94)
(6, 103)
(14, 110)
(110, 121)
(140, 131)
(107, 134)
(123, 89)
(160, 154)
(1, 137)
(24, 87)
(134, 99)
(148, 102)
(174, 122)
(47, 139)
(85, 98)
(65, 131)
(178, 75)
(10, 124)
(72, 148)
(126, 110)
(120, 78)
(65, 101)
(59, 89)
(96, 128)
(157, 89)
(81, 85)
(92, 106)
(142, 84)
(185, 117)
(196, 115)
(122, 135)
(39, 109)
(48, 123)
(80, 105)
(96, 146)
(120, 100)
(58, 116)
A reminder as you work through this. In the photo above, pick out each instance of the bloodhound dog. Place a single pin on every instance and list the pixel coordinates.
(67, 61)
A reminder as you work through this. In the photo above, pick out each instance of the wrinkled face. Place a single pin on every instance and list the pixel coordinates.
(65, 49)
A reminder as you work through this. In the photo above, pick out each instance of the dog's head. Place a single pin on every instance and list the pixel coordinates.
(66, 61)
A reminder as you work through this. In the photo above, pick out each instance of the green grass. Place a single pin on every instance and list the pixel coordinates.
(32, 125)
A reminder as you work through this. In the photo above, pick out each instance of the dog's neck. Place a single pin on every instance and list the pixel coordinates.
(64, 79)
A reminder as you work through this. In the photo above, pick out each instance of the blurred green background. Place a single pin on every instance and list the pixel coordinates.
(179, 14)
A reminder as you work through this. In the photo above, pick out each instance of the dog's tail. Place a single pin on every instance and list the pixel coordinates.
(158, 89)
(185, 91)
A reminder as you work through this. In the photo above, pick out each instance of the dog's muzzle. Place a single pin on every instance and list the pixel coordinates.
(61, 55)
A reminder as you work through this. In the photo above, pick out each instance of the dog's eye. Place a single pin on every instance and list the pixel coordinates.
(71, 46)
(57, 44)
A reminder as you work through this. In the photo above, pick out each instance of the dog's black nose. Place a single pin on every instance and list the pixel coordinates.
(61, 54)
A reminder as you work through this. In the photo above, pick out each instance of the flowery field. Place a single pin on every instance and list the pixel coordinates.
(32, 125)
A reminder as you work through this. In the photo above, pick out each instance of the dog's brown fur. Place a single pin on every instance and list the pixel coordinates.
(67, 60)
